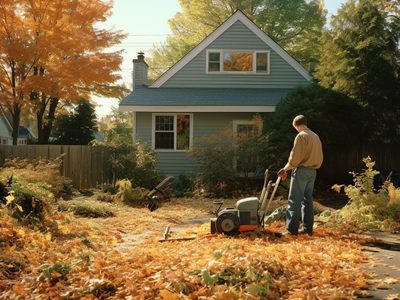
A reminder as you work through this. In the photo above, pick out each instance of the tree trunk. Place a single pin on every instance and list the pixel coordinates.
(49, 125)
(39, 118)
(15, 115)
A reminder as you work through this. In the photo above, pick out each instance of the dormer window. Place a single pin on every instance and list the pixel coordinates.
(237, 62)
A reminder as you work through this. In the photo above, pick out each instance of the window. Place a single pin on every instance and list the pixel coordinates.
(246, 160)
(244, 62)
(172, 131)
(244, 164)
(214, 62)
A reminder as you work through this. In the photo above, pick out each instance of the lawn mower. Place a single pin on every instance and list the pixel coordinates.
(249, 212)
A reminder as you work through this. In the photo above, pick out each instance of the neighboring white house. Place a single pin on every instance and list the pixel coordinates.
(236, 72)
(25, 135)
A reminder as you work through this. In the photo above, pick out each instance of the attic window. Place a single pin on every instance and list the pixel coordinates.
(237, 62)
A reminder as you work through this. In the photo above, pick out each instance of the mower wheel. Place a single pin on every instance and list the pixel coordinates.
(227, 223)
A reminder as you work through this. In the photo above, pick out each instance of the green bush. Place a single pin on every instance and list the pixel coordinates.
(110, 188)
(135, 162)
(366, 208)
(230, 160)
(29, 201)
(185, 186)
(129, 195)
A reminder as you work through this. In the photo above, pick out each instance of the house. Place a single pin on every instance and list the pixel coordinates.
(5, 130)
(25, 135)
(236, 72)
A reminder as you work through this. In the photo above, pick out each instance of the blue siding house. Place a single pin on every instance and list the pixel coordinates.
(238, 71)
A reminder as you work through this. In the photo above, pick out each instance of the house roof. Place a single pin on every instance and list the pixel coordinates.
(98, 136)
(203, 100)
(24, 132)
(237, 16)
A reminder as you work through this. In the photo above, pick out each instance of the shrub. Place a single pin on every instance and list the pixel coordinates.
(86, 208)
(36, 171)
(110, 188)
(135, 162)
(185, 186)
(129, 195)
(231, 160)
(366, 208)
(105, 197)
(28, 201)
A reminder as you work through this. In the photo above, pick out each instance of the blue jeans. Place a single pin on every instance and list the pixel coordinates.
(300, 201)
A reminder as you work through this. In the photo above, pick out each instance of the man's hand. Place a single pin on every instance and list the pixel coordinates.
(281, 172)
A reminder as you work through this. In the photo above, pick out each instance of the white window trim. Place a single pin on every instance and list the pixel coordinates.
(221, 64)
(244, 122)
(153, 131)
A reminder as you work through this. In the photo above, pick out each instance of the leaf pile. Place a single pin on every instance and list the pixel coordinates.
(79, 259)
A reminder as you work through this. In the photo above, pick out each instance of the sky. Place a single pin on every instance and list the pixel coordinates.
(146, 22)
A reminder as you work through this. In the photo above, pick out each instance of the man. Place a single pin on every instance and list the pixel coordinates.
(305, 158)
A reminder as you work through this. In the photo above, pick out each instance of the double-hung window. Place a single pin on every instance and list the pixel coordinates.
(172, 131)
(237, 62)
(246, 161)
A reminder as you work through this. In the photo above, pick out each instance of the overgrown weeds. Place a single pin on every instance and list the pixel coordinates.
(368, 209)
(36, 171)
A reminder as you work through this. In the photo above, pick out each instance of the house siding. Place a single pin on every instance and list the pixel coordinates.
(5, 131)
(143, 130)
(237, 37)
(204, 124)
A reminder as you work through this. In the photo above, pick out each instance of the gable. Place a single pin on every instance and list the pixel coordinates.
(238, 33)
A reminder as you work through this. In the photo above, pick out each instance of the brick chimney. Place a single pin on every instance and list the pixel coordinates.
(140, 69)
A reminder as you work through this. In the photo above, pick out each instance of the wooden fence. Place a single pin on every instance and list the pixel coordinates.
(89, 166)
(86, 166)
(340, 160)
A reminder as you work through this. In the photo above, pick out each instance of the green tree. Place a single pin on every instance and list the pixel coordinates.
(360, 59)
(330, 114)
(296, 25)
(119, 128)
(77, 127)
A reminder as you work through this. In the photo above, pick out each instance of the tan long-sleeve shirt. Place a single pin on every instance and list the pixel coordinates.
(307, 151)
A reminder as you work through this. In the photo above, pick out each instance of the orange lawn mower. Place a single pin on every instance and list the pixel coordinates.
(249, 213)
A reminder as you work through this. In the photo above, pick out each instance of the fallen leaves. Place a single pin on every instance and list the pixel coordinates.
(79, 259)
(393, 297)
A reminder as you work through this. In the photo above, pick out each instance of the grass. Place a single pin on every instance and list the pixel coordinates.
(87, 208)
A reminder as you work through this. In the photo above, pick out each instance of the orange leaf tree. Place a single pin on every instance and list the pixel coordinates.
(50, 52)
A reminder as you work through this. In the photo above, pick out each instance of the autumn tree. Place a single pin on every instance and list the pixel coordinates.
(296, 25)
(51, 51)
(361, 60)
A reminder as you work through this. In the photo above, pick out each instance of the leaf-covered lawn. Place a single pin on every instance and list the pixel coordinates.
(121, 257)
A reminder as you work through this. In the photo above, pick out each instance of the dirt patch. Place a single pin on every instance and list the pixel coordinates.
(331, 199)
